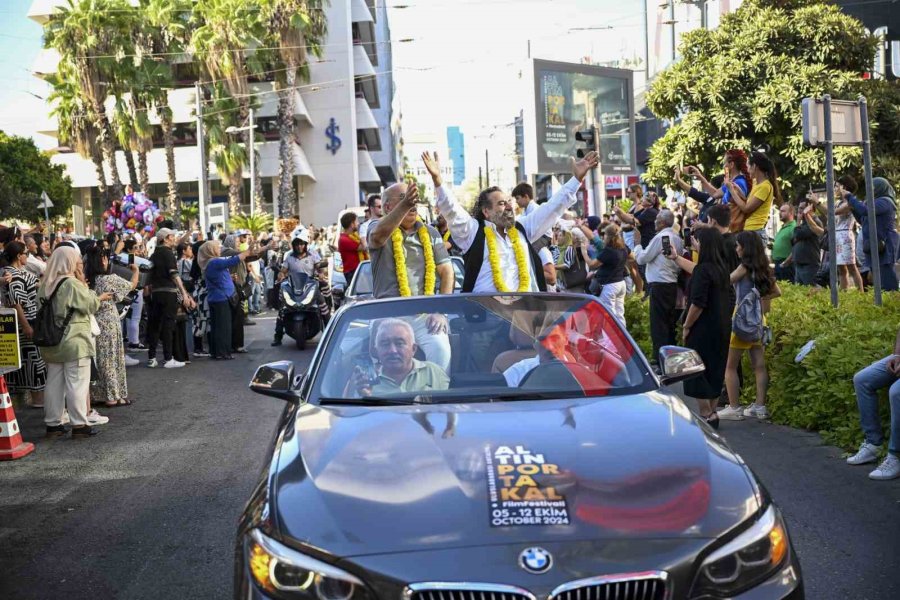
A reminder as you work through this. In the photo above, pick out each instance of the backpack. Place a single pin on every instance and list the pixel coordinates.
(46, 331)
(747, 324)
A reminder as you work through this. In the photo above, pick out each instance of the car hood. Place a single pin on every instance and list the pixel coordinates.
(359, 480)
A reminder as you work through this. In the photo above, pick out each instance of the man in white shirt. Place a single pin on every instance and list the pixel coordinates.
(376, 212)
(35, 266)
(494, 211)
(662, 279)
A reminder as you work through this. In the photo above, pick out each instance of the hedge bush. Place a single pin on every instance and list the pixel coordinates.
(816, 394)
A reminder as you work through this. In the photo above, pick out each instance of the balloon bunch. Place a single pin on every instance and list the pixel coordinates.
(134, 213)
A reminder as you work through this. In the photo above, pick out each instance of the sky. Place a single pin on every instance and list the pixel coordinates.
(464, 64)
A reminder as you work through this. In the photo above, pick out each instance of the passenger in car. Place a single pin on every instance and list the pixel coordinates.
(400, 371)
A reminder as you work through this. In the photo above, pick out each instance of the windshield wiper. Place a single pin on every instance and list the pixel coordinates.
(527, 396)
(368, 401)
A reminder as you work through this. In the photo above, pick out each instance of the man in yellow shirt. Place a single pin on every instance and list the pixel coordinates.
(764, 192)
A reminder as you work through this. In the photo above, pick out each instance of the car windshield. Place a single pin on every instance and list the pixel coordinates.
(363, 285)
(476, 348)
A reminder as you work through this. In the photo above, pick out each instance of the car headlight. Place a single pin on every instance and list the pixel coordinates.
(288, 299)
(286, 573)
(746, 560)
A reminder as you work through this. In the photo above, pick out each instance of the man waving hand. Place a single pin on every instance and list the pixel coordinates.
(498, 252)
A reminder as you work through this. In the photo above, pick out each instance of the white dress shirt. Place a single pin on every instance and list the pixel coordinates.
(659, 268)
(464, 227)
(35, 266)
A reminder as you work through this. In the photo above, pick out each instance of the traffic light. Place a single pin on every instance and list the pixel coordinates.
(589, 137)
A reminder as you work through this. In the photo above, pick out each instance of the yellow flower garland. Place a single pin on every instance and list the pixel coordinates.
(362, 254)
(494, 260)
(400, 261)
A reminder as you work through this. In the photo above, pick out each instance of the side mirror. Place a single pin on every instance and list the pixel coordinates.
(678, 364)
(276, 379)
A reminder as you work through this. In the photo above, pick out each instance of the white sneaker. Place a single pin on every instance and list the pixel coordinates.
(867, 453)
(731, 414)
(888, 469)
(65, 418)
(131, 361)
(95, 418)
(152, 363)
(173, 364)
(755, 410)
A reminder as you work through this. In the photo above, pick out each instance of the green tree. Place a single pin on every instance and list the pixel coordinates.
(89, 36)
(25, 172)
(226, 33)
(741, 85)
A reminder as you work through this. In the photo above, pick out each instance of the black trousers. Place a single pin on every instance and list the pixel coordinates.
(663, 316)
(161, 323)
(237, 326)
(220, 328)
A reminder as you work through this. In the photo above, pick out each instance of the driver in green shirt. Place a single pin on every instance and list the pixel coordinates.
(399, 372)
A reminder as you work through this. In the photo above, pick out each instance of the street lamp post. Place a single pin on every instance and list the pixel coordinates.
(250, 127)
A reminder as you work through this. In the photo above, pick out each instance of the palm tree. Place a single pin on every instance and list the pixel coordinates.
(226, 31)
(89, 34)
(256, 223)
(166, 30)
(225, 152)
(297, 28)
(124, 127)
(76, 129)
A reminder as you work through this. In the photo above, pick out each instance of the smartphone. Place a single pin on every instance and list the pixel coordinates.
(667, 245)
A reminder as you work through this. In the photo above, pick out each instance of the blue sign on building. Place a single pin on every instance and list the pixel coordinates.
(331, 132)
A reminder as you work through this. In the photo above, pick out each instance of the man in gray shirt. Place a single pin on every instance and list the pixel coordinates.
(400, 206)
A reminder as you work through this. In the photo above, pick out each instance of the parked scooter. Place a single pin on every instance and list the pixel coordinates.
(300, 313)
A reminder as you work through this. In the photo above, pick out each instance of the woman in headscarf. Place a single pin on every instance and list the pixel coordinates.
(220, 295)
(885, 227)
(112, 386)
(239, 277)
(200, 316)
(69, 362)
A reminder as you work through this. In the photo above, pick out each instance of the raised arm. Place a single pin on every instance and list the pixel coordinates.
(379, 236)
(541, 220)
(462, 225)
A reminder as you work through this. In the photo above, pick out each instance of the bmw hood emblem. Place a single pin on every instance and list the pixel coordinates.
(535, 560)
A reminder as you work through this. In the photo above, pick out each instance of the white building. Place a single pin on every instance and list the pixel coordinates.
(347, 117)
(413, 147)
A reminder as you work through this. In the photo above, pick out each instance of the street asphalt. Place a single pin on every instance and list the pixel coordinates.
(148, 508)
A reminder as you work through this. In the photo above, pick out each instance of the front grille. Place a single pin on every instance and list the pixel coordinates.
(615, 588)
(457, 591)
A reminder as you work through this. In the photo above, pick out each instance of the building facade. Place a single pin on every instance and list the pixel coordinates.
(346, 116)
(456, 142)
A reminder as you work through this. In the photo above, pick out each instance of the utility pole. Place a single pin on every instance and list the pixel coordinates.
(487, 168)
(480, 187)
(829, 193)
(252, 165)
(201, 150)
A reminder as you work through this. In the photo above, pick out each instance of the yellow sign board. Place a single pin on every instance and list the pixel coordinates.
(10, 359)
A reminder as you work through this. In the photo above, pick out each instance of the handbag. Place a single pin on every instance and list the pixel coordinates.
(576, 276)
(46, 331)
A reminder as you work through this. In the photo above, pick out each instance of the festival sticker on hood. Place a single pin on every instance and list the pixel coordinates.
(516, 493)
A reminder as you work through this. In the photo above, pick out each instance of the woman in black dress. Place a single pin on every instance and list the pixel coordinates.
(708, 323)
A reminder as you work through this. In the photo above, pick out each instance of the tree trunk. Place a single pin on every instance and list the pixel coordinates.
(132, 171)
(174, 201)
(101, 174)
(143, 176)
(109, 148)
(234, 196)
(287, 200)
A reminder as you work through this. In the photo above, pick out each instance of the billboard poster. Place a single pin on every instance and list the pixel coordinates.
(570, 97)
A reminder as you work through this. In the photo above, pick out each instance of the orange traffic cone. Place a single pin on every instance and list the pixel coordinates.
(11, 444)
